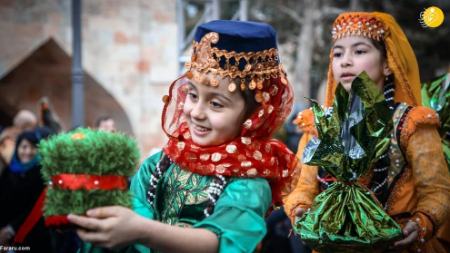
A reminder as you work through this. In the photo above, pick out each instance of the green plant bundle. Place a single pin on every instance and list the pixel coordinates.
(352, 134)
(86, 152)
(436, 95)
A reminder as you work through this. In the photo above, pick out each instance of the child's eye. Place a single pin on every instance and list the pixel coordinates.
(337, 54)
(192, 96)
(215, 104)
(360, 51)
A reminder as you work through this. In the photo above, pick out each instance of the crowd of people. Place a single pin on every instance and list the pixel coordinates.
(220, 174)
(21, 182)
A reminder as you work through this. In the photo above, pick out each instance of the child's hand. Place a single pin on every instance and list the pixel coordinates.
(6, 234)
(299, 212)
(411, 233)
(109, 227)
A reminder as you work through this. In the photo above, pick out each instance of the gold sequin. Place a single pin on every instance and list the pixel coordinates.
(252, 172)
(191, 157)
(220, 169)
(252, 85)
(204, 157)
(268, 147)
(242, 86)
(273, 90)
(181, 145)
(257, 155)
(165, 99)
(214, 82)
(246, 163)
(266, 96)
(189, 74)
(284, 81)
(260, 113)
(231, 148)
(246, 140)
(272, 161)
(258, 97)
(270, 109)
(232, 87)
(248, 123)
(216, 157)
(259, 84)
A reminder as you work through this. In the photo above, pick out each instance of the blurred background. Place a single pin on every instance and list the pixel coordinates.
(130, 52)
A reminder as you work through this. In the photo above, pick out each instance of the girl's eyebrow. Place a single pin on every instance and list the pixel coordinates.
(360, 43)
(353, 45)
(212, 94)
(192, 86)
(217, 94)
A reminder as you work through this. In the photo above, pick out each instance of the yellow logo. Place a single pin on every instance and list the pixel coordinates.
(431, 17)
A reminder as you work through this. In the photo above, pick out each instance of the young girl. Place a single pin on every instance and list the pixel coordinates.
(414, 186)
(209, 188)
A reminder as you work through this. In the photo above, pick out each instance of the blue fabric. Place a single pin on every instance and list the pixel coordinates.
(18, 167)
(239, 36)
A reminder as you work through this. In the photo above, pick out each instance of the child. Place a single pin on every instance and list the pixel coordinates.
(414, 187)
(208, 190)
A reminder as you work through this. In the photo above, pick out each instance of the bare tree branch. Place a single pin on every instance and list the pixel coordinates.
(331, 11)
(291, 13)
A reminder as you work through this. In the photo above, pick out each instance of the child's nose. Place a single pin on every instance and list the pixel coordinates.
(198, 111)
(347, 60)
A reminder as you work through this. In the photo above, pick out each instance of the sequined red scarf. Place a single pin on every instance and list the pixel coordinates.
(252, 154)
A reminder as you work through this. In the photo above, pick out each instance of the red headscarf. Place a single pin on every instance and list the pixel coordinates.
(253, 153)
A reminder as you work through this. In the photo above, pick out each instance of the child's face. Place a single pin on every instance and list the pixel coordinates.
(26, 151)
(353, 55)
(214, 115)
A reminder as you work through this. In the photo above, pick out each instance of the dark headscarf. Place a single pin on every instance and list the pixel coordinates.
(33, 136)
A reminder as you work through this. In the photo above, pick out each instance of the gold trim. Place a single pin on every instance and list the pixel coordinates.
(259, 65)
(359, 25)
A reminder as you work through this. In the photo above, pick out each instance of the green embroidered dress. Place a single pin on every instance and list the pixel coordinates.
(238, 217)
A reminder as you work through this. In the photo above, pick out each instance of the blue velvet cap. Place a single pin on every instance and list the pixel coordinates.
(246, 52)
(239, 36)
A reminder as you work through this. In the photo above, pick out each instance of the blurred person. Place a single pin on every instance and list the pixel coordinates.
(105, 123)
(7, 143)
(25, 120)
(20, 187)
(47, 116)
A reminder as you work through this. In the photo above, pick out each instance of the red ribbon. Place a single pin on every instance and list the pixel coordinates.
(57, 221)
(31, 220)
(89, 182)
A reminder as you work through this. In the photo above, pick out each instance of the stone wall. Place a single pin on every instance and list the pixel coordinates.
(129, 48)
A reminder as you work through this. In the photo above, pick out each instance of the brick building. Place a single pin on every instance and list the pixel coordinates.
(129, 59)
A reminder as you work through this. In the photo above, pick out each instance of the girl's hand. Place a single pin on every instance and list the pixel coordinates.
(411, 233)
(299, 212)
(109, 227)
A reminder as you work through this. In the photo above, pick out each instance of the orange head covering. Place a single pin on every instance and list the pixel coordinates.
(401, 59)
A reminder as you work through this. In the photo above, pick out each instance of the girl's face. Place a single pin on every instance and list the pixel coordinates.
(214, 115)
(26, 151)
(353, 55)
